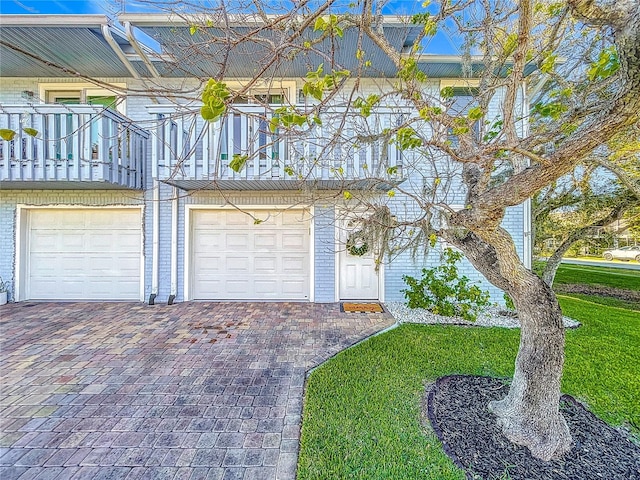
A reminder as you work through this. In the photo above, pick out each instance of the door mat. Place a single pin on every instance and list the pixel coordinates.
(361, 308)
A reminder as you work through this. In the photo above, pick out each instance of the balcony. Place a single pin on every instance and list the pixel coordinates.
(345, 151)
(71, 147)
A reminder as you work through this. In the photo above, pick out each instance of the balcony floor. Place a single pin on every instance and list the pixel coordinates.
(61, 185)
(256, 185)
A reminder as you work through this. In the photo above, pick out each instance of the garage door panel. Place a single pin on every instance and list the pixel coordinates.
(237, 286)
(264, 240)
(237, 241)
(293, 264)
(266, 288)
(207, 240)
(211, 265)
(83, 254)
(265, 264)
(292, 218)
(237, 218)
(292, 288)
(294, 241)
(238, 264)
(267, 261)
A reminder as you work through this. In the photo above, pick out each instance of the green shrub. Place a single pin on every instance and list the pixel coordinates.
(443, 291)
(508, 302)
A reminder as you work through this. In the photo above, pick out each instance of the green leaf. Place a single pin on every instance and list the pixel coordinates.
(347, 195)
(320, 24)
(606, 65)
(447, 92)
(193, 29)
(257, 221)
(238, 162)
(510, 44)
(548, 63)
(475, 113)
(207, 114)
(406, 138)
(214, 97)
(392, 170)
(391, 194)
(552, 110)
(30, 131)
(7, 134)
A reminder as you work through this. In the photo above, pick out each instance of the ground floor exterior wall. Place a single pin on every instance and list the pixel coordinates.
(167, 236)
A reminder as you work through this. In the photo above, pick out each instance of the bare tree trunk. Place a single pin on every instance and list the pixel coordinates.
(550, 269)
(529, 415)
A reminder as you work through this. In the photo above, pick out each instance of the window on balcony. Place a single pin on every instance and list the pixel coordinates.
(464, 98)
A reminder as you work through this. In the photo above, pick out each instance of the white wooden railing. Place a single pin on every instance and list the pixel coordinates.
(73, 143)
(343, 147)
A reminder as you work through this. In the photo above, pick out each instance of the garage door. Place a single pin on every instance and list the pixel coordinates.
(83, 254)
(233, 258)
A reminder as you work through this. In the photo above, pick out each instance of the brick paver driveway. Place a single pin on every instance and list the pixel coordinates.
(194, 390)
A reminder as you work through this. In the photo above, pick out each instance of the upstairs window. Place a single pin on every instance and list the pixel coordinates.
(464, 99)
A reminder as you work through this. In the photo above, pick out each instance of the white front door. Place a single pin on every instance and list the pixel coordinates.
(358, 278)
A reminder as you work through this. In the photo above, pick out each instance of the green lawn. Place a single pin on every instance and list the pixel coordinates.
(362, 408)
(606, 276)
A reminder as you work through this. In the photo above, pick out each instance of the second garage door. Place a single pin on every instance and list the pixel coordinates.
(236, 258)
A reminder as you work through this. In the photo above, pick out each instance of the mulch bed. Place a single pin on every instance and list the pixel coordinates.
(457, 410)
(619, 293)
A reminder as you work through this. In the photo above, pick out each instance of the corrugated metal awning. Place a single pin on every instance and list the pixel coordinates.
(63, 46)
(242, 50)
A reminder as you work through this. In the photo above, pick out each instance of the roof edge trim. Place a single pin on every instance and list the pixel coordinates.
(69, 21)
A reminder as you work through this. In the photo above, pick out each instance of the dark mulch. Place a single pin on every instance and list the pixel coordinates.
(457, 410)
(619, 293)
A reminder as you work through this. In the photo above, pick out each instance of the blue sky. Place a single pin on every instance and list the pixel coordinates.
(52, 6)
(440, 44)
(104, 6)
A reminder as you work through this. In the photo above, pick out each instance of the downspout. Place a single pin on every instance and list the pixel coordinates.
(106, 33)
(155, 239)
(136, 46)
(174, 246)
(155, 249)
(527, 234)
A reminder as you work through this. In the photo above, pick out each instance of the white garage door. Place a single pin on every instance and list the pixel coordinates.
(233, 258)
(83, 254)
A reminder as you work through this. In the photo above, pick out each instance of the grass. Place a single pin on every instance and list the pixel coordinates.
(608, 301)
(362, 408)
(604, 276)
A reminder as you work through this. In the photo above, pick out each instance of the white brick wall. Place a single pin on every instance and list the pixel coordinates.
(324, 277)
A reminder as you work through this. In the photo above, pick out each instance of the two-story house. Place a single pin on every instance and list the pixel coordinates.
(115, 188)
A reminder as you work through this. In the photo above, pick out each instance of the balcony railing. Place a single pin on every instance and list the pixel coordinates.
(71, 143)
(187, 151)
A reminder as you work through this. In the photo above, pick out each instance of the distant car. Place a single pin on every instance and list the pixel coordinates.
(624, 253)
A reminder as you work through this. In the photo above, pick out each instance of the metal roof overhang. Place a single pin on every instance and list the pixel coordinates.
(89, 46)
(63, 46)
(245, 49)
